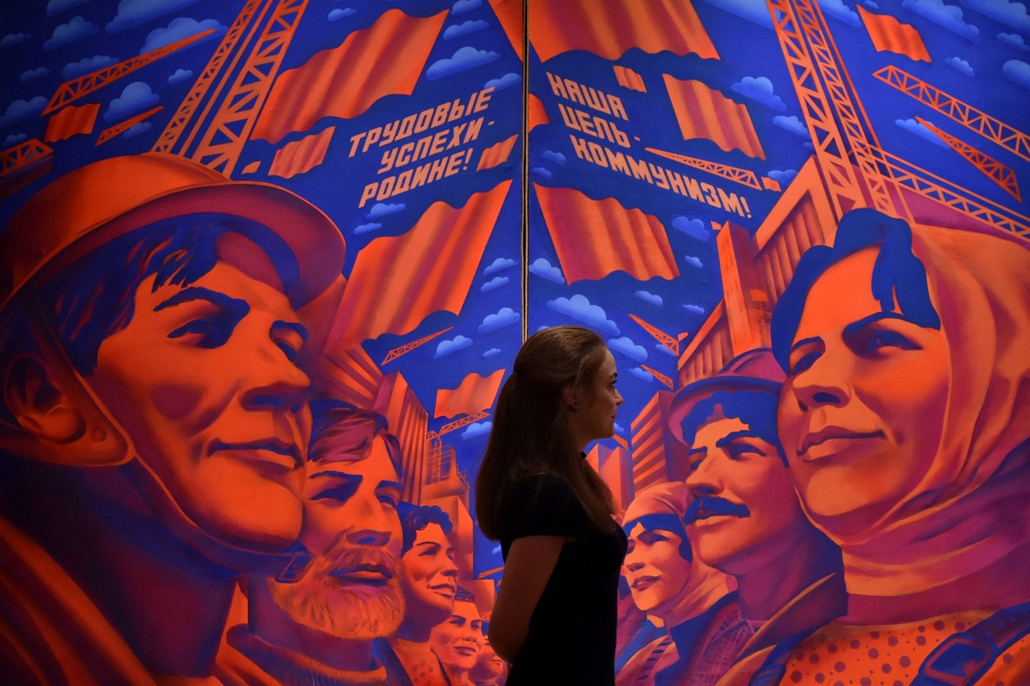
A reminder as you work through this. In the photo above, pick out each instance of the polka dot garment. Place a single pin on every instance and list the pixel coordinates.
(848, 655)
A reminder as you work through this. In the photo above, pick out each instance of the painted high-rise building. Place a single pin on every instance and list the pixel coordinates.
(656, 454)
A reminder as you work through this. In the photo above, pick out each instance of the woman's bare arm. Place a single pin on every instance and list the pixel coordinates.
(530, 561)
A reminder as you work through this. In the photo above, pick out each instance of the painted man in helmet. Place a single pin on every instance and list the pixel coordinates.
(155, 323)
(745, 517)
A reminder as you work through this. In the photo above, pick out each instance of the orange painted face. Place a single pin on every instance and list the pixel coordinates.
(731, 463)
(355, 494)
(862, 410)
(428, 573)
(204, 382)
(458, 640)
(489, 666)
(352, 527)
(654, 568)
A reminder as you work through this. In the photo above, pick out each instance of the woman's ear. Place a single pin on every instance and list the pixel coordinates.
(570, 395)
(38, 403)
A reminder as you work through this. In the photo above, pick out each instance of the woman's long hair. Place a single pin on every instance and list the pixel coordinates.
(531, 433)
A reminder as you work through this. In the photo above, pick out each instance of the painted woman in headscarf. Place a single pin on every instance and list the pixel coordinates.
(905, 418)
(693, 601)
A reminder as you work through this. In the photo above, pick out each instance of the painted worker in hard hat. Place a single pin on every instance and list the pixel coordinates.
(155, 323)
(746, 520)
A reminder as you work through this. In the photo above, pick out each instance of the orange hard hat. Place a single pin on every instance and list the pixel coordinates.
(87, 208)
(99, 202)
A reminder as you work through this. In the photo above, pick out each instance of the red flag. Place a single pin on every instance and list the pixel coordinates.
(612, 27)
(301, 156)
(890, 35)
(71, 121)
(509, 13)
(475, 393)
(594, 238)
(384, 59)
(496, 154)
(706, 113)
(537, 113)
(398, 281)
(628, 78)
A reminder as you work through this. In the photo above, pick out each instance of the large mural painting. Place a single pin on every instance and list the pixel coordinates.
(265, 264)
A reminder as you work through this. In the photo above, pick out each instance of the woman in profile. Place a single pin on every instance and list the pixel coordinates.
(555, 616)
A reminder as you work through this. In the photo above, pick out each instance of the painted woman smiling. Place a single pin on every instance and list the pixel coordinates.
(905, 418)
(865, 396)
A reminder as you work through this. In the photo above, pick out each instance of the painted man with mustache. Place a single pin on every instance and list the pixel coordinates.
(690, 599)
(321, 627)
(745, 518)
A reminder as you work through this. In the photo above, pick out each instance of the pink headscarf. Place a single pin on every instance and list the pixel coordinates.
(973, 505)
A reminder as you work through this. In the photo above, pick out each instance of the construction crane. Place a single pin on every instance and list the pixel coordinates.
(168, 139)
(108, 134)
(951, 195)
(725, 171)
(436, 450)
(844, 140)
(826, 94)
(70, 91)
(661, 377)
(408, 347)
(1013, 140)
(223, 141)
(23, 164)
(670, 343)
(993, 169)
(457, 424)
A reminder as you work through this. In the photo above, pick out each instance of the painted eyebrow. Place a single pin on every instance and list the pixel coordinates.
(729, 438)
(391, 484)
(335, 456)
(339, 475)
(855, 327)
(200, 293)
(300, 329)
(805, 341)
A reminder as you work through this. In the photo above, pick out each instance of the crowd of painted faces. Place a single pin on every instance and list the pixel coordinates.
(855, 498)
(179, 502)
(853, 508)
